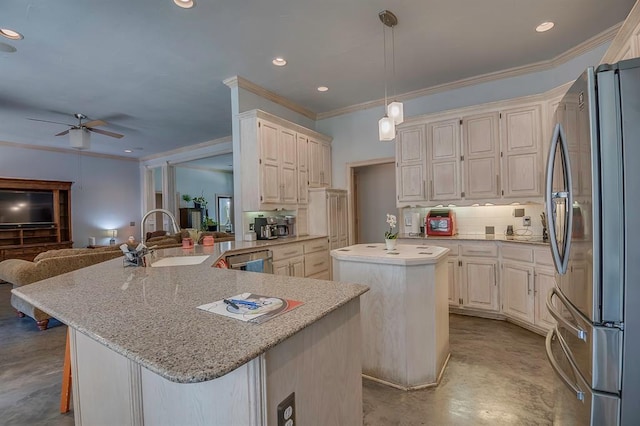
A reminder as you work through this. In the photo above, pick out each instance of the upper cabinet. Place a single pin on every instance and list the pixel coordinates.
(277, 158)
(319, 163)
(488, 156)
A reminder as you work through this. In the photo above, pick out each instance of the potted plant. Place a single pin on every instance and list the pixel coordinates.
(199, 202)
(186, 198)
(209, 224)
(390, 237)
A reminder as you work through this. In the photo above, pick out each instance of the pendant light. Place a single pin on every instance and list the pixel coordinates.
(393, 111)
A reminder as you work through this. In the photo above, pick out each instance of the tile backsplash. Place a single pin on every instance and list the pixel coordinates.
(475, 220)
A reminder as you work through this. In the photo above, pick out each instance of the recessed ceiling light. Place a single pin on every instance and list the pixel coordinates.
(185, 4)
(279, 62)
(13, 35)
(128, 151)
(322, 88)
(545, 26)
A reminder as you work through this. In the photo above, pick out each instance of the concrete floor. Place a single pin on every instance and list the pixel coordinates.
(498, 374)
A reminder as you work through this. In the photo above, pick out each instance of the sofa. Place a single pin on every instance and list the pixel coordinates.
(48, 264)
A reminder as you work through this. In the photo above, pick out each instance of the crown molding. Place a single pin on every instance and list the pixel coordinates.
(187, 149)
(67, 151)
(574, 52)
(243, 83)
(625, 33)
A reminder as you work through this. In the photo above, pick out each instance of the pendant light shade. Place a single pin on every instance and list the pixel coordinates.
(386, 129)
(80, 138)
(395, 111)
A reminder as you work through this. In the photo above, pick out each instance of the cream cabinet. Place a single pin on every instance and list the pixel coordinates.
(319, 161)
(288, 260)
(328, 215)
(317, 263)
(443, 155)
(480, 284)
(481, 156)
(276, 161)
(527, 278)
(411, 165)
(522, 169)
(303, 168)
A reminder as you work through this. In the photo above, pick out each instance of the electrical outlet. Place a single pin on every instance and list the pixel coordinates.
(526, 221)
(251, 227)
(489, 230)
(518, 212)
(132, 224)
(287, 411)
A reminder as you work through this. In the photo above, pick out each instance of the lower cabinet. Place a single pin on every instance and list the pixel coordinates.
(480, 284)
(454, 293)
(518, 297)
(288, 260)
(317, 263)
(544, 281)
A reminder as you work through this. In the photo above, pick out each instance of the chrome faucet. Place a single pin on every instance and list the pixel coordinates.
(176, 228)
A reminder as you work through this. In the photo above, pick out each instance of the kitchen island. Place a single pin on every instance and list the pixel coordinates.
(405, 314)
(142, 353)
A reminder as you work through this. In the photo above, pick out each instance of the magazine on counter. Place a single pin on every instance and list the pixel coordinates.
(250, 307)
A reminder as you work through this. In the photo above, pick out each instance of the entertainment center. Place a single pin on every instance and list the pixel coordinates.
(35, 216)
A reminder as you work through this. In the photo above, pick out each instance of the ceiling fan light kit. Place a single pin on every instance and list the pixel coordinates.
(80, 138)
(185, 4)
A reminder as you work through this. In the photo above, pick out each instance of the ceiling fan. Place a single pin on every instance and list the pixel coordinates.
(79, 133)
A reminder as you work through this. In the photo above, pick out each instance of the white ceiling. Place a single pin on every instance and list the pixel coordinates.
(154, 71)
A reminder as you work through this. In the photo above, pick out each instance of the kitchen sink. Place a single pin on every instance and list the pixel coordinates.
(179, 261)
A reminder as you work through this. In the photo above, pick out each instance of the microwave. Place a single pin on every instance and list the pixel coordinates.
(440, 222)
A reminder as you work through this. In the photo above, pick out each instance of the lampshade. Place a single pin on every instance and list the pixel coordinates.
(80, 138)
(386, 129)
(395, 111)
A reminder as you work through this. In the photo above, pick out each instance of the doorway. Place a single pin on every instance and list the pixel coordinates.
(373, 194)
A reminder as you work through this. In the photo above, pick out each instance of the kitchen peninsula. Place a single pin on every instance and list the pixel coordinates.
(405, 315)
(142, 353)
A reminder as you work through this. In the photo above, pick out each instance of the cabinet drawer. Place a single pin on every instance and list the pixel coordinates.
(479, 250)
(324, 275)
(454, 249)
(316, 245)
(286, 251)
(543, 256)
(514, 252)
(315, 263)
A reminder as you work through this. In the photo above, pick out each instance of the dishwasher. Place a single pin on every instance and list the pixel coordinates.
(239, 261)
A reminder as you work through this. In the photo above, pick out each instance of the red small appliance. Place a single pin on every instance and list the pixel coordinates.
(440, 222)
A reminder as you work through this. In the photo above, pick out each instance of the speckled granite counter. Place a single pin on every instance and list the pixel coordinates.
(534, 239)
(149, 315)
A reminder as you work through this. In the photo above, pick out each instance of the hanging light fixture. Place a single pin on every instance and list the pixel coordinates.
(394, 113)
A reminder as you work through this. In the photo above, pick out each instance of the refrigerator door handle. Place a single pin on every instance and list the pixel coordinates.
(556, 367)
(561, 261)
(580, 333)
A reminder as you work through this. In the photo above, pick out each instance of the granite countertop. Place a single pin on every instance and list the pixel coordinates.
(534, 239)
(219, 250)
(403, 254)
(149, 315)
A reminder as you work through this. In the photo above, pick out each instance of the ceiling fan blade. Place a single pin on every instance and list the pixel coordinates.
(63, 133)
(47, 121)
(94, 123)
(106, 133)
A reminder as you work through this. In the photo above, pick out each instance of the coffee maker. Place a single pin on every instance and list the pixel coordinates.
(266, 228)
(286, 225)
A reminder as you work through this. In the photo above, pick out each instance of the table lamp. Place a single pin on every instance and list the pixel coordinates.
(114, 233)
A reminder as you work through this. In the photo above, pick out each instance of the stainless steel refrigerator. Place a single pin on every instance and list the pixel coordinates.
(593, 208)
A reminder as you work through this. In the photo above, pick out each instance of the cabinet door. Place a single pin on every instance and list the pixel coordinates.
(544, 282)
(297, 266)
(269, 165)
(480, 284)
(325, 172)
(454, 293)
(342, 221)
(443, 142)
(481, 137)
(313, 164)
(303, 171)
(281, 267)
(517, 290)
(332, 206)
(522, 139)
(411, 164)
(288, 166)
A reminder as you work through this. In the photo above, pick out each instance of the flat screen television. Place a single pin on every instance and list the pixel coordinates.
(26, 208)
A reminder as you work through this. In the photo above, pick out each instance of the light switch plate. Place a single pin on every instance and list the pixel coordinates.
(518, 212)
(489, 230)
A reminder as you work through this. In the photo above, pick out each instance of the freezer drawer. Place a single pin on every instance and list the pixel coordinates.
(596, 351)
(575, 402)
